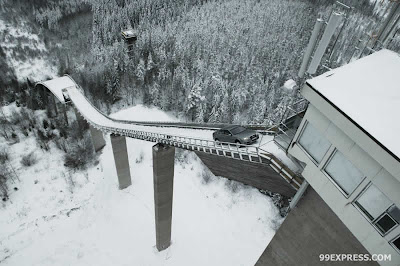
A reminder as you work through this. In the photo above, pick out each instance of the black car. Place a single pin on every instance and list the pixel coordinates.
(236, 134)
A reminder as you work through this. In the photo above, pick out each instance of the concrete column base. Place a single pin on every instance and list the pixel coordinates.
(97, 138)
(64, 108)
(51, 106)
(82, 123)
(163, 177)
(120, 152)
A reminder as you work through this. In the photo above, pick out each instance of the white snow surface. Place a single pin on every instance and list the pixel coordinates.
(17, 41)
(368, 91)
(57, 85)
(143, 113)
(290, 84)
(47, 222)
(90, 112)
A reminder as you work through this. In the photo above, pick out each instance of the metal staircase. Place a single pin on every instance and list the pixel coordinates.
(286, 129)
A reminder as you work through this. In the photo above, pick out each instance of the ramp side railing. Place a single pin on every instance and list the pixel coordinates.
(253, 154)
(286, 129)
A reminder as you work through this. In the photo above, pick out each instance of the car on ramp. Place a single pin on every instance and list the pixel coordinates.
(236, 134)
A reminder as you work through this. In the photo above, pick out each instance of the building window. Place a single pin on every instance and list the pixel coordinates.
(313, 142)
(343, 172)
(373, 202)
(385, 223)
(396, 243)
(379, 209)
(395, 213)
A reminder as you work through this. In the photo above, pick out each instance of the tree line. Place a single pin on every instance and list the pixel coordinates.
(213, 60)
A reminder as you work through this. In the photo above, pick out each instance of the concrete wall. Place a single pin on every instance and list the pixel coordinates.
(163, 176)
(97, 135)
(97, 138)
(309, 230)
(62, 108)
(342, 205)
(120, 152)
(51, 105)
(80, 119)
(356, 134)
(259, 176)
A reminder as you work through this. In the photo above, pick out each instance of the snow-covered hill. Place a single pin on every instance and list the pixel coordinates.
(25, 51)
(58, 217)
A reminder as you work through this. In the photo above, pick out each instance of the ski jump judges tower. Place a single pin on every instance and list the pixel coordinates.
(348, 141)
(251, 165)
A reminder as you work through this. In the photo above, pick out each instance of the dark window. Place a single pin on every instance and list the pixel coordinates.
(237, 130)
(385, 223)
(225, 132)
(396, 243)
(395, 213)
(383, 214)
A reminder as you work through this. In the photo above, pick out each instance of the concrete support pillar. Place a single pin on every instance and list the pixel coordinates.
(299, 194)
(51, 105)
(97, 135)
(97, 138)
(54, 103)
(64, 108)
(163, 171)
(44, 97)
(120, 152)
(81, 121)
(48, 109)
(60, 108)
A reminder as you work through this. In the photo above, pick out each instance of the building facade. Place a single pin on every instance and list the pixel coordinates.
(348, 143)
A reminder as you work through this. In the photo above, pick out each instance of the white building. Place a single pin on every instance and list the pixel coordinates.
(349, 141)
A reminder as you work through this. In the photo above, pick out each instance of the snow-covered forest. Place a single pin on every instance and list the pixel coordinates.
(213, 61)
(229, 61)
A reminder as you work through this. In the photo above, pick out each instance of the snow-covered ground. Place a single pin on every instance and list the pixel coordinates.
(25, 52)
(143, 113)
(55, 216)
(47, 221)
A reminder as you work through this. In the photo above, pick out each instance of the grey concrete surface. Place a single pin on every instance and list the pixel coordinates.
(63, 109)
(83, 124)
(309, 230)
(260, 176)
(163, 176)
(120, 152)
(51, 105)
(97, 135)
(97, 138)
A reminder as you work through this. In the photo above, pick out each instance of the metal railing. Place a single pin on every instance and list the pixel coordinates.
(253, 154)
(286, 129)
(294, 109)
